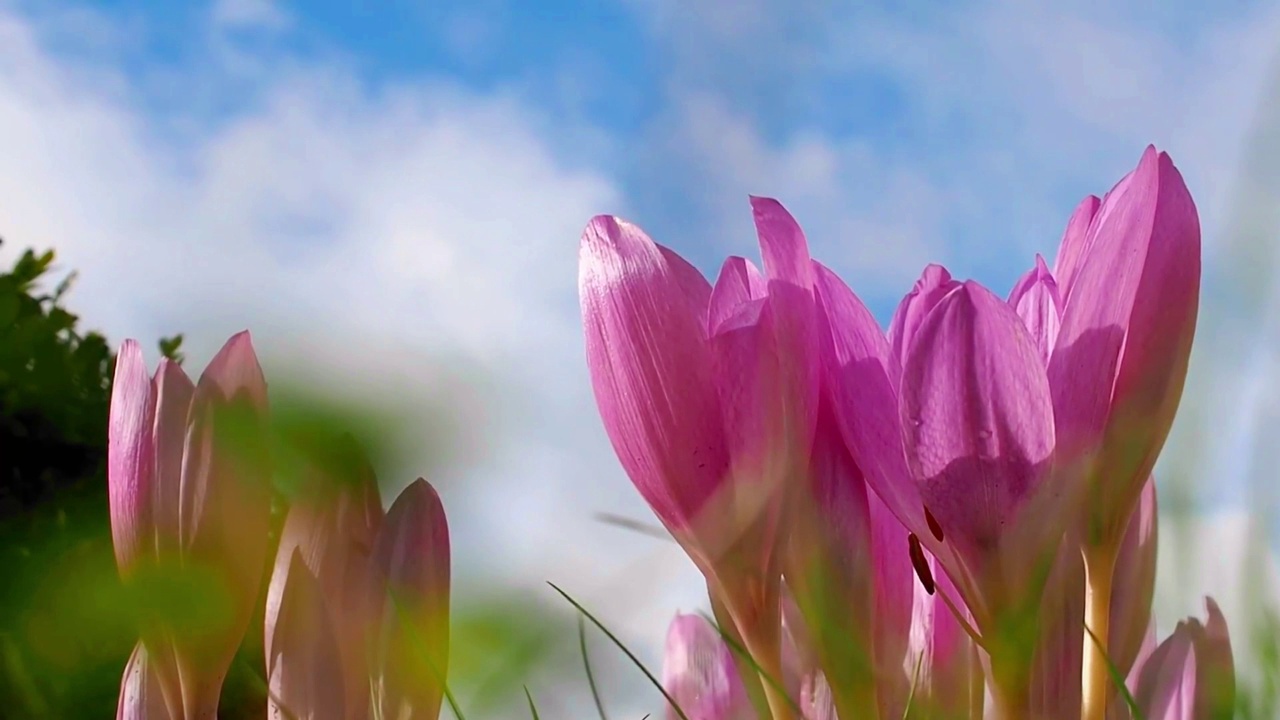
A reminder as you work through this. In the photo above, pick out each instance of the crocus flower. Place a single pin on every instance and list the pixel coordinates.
(699, 674)
(410, 662)
(1191, 675)
(190, 500)
(708, 396)
(331, 528)
(1129, 280)
(958, 442)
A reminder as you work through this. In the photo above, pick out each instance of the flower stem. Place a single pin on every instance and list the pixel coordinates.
(1099, 570)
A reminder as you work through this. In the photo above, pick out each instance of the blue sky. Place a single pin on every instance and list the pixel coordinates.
(389, 195)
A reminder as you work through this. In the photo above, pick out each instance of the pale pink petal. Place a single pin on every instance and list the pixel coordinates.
(174, 391)
(304, 666)
(1035, 298)
(698, 672)
(131, 458)
(1073, 248)
(141, 697)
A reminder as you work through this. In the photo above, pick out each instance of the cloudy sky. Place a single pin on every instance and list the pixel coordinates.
(391, 201)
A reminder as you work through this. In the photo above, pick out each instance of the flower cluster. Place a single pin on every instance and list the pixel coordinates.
(955, 517)
(356, 613)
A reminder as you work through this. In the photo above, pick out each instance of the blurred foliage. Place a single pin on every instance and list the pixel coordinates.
(65, 630)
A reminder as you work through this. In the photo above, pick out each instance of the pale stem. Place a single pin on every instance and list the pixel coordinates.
(1099, 571)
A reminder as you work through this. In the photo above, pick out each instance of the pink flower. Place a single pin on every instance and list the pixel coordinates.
(1129, 280)
(1189, 676)
(190, 502)
(698, 672)
(709, 396)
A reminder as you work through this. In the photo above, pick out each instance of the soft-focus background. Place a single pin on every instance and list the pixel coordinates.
(389, 196)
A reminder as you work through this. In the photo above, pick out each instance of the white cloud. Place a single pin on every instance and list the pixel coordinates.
(250, 14)
(414, 244)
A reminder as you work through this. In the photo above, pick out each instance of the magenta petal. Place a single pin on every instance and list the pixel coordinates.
(412, 551)
(1118, 368)
(940, 648)
(304, 667)
(934, 284)
(699, 674)
(977, 417)
(816, 702)
(131, 458)
(782, 244)
(1074, 246)
(738, 285)
(651, 369)
(174, 392)
(1035, 298)
(830, 568)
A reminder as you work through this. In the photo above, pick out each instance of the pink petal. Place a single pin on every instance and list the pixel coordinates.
(332, 527)
(412, 551)
(141, 697)
(816, 701)
(934, 284)
(1135, 582)
(977, 418)
(1167, 688)
(304, 666)
(225, 504)
(1035, 298)
(699, 674)
(651, 369)
(1118, 368)
(940, 649)
(863, 382)
(131, 458)
(830, 568)
(1074, 246)
(739, 285)
(1191, 675)
(174, 392)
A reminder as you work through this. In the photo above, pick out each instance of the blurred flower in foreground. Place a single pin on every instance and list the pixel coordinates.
(698, 673)
(190, 508)
(357, 617)
(1191, 675)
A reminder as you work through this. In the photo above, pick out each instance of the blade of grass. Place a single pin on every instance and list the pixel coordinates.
(627, 651)
(532, 708)
(1116, 679)
(915, 680)
(586, 663)
(643, 528)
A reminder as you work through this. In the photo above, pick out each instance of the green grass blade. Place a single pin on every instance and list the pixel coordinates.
(586, 663)
(630, 655)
